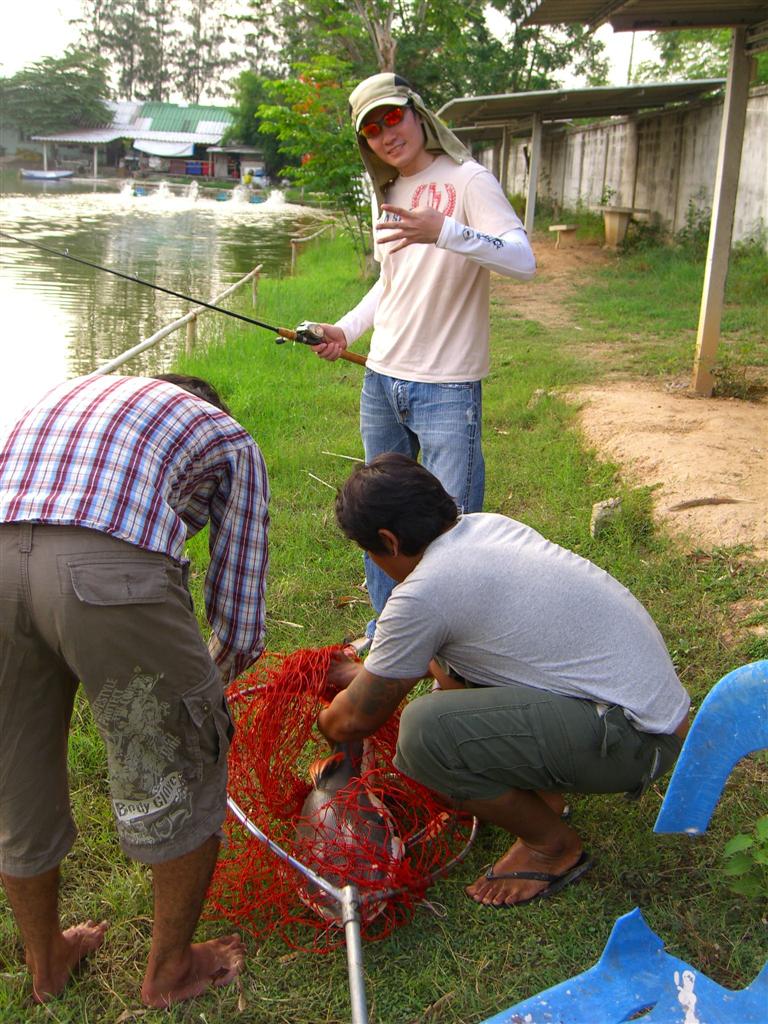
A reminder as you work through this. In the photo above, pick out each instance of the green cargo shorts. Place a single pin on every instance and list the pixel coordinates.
(79, 606)
(478, 743)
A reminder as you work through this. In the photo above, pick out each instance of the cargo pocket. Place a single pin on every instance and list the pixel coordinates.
(209, 729)
(114, 582)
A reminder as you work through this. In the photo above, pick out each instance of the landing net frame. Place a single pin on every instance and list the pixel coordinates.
(278, 678)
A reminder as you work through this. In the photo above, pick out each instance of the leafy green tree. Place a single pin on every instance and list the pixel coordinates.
(311, 121)
(690, 54)
(250, 92)
(445, 47)
(58, 93)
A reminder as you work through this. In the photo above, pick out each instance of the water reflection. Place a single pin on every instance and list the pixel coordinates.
(60, 318)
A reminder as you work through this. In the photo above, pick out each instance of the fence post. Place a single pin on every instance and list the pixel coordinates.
(255, 289)
(191, 335)
(190, 319)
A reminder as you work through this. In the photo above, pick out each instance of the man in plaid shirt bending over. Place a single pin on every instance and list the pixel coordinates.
(101, 483)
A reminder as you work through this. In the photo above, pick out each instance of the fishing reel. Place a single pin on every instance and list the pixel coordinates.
(306, 333)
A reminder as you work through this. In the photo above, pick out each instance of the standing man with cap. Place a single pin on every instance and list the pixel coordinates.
(441, 224)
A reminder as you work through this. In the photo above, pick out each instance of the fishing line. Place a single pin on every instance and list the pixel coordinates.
(148, 284)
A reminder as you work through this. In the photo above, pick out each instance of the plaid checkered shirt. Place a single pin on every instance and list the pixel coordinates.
(151, 464)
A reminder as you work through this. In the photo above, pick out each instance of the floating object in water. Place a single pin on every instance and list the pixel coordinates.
(40, 175)
(139, 190)
(345, 832)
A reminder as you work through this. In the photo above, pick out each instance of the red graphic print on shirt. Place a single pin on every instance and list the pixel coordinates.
(435, 197)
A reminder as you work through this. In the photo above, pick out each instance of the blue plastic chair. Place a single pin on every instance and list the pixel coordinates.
(636, 979)
(731, 723)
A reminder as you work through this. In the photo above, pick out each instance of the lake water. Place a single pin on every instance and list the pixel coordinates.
(59, 319)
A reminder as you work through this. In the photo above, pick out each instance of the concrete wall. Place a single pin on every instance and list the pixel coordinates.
(655, 161)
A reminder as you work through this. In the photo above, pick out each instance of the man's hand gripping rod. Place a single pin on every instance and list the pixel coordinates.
(312, 334)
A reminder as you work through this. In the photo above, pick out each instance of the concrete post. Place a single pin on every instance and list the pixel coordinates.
(533, 174)
(723, 208)
(503, 169)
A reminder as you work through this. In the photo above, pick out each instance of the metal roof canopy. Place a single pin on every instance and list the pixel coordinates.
(557, 104)
(748, 20)
(490, 118)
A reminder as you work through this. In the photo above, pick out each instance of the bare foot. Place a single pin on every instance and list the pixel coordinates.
(500, 891)
(50, 977)
(216, 962)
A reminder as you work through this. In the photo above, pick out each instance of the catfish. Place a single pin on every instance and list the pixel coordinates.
(345, 833)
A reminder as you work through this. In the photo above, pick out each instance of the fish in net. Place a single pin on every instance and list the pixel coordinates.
(377, 829)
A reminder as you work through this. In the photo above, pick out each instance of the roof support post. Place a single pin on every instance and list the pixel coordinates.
(533, 173)
(45, 156)
(504, 168)
(723, 208)
(95, 161)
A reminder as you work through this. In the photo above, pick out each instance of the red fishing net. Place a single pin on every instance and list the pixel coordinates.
(380, 831)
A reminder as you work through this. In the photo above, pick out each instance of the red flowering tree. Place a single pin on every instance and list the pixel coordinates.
(311, 120)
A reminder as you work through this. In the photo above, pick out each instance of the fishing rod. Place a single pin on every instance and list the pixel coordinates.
(306, 333)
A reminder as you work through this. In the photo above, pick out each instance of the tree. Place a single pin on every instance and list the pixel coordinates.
(157, 47)
(58, 93)
(136, 37)
(311, 122)
(199, 56)
(250, 93)
(689, 54)
(445, 47)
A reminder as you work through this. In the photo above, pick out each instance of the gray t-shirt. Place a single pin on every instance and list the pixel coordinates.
(500, 604)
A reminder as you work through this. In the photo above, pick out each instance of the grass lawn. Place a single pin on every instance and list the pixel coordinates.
(303, 413)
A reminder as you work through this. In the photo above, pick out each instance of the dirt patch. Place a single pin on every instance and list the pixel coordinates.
(706, 454)
(557, 275)
(706, 458)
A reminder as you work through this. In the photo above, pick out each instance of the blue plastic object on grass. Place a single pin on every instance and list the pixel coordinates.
(731, 723)
(636, 979)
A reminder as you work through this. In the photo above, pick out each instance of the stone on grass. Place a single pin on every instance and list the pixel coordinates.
(603, 513)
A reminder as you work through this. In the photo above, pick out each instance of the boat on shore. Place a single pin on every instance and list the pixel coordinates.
(46, 175)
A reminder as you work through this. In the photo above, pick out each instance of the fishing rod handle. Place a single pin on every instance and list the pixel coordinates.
(289, 335)
(354, 357)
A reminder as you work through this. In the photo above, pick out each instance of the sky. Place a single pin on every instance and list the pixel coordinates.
(40, 29)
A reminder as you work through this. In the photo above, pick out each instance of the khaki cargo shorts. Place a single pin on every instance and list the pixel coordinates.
(78, 606)
(478, 743)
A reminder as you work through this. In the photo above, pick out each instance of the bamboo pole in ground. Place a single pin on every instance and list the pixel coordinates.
(174, 326)
(191, 334)
(295, 242)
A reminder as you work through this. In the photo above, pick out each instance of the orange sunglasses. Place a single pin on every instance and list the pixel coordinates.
(373, 129)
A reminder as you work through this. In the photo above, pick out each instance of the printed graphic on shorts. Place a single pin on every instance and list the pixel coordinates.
(442, 198)
(150, 796)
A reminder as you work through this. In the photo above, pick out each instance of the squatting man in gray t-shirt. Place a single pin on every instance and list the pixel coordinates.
(552, 677)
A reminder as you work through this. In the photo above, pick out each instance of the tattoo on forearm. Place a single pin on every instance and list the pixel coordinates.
(372, 700)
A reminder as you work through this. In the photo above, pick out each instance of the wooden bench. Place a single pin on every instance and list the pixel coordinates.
(564, 231)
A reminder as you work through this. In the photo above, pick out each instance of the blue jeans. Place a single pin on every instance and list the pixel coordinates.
(443, 422)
